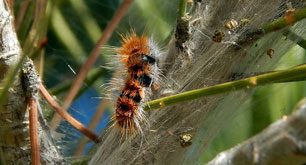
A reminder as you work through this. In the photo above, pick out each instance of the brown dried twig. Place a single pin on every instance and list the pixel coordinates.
(35, 154)
(76, 124)
(91, 60)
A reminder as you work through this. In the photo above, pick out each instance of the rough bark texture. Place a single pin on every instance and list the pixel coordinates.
(283, 142)
(14, 119)
(192, 62)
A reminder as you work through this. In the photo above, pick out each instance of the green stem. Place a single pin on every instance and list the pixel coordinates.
(283, 22)
(295, 73)
(182, 8)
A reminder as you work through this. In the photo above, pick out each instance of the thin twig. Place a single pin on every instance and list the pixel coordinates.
(91, 60)
(292, 74)
(35, 155)
(76, 124)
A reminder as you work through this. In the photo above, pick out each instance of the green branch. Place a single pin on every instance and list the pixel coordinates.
(296, 73)
(285, 21)
(182, 8)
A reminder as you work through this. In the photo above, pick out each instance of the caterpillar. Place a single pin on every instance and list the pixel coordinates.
(139, 58)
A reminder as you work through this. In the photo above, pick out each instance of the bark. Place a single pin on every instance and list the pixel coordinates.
(14, 119)
(283, 142)
(194, 61)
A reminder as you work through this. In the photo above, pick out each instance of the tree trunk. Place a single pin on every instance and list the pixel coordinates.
(14, 114)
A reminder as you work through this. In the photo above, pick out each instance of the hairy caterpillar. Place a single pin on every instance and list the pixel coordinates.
(139, 58)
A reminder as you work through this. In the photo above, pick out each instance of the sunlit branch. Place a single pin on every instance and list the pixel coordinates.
(35, 154)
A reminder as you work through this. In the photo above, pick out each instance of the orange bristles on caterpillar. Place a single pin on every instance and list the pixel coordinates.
(140, 68)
